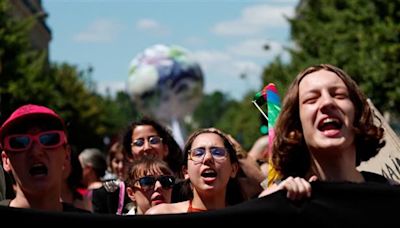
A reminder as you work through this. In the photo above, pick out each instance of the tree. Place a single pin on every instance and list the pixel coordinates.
(211, 108)
(237, 118)
(20, 66)
(361, 37)
(27, 77)
(90, 117)
(241, 120)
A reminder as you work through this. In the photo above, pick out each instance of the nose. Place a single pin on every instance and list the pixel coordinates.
(36, 149)
(120, 164)
(207, 156)
(157, 185)
(147, 145)
(327, 100)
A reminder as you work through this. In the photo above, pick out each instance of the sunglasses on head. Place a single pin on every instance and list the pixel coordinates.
(148, 182)
(46, 139)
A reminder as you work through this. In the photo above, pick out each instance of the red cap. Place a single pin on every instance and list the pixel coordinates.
(28, 111)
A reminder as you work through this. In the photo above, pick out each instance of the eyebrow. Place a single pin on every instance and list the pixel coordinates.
(330, 88)
(148, 137)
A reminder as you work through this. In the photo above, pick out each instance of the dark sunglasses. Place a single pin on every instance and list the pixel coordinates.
(46, 139)
(148, 182)
(153, 140)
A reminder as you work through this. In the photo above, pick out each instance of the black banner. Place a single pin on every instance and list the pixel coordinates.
(331, 205)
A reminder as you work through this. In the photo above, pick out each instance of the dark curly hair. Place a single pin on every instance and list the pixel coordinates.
(174, 157)
(290, 153)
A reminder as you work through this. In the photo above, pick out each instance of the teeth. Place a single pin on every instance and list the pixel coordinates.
(209, 171)
(330, 120)
(330, 123)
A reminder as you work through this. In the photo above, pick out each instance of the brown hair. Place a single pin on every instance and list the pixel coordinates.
(174, 157)
(116, 148)
(147, 165)
(234, 193)
(290, 153)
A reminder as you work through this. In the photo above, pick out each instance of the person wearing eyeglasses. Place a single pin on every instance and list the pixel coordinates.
(148, 137)
(145, 137)
(35, 150)
(150, 182)
(211, 167)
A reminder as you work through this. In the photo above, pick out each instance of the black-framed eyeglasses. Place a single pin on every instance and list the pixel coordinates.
(198, 154)
(148, 182)
(153, 140)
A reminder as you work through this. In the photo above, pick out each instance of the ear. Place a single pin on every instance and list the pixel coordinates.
(185, 173)
(166, 150)
(6, 162)
(67, 160)
(235, 168)
(68, 152)
(131, 194)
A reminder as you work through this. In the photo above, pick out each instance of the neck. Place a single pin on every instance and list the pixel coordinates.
(337, 167)
(211, 201)
(47, 201)
(66, 194)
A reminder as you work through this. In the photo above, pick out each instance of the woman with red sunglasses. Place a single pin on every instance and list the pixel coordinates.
(35, 152)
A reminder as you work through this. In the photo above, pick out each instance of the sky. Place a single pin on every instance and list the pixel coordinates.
(226, 37)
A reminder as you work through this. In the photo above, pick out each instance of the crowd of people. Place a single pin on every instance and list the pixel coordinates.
(325, 129)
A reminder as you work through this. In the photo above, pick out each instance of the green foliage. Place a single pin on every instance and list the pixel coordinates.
(361, 37)
(237, 118)
(82, 110)
(211, 108)
(121, 112)
(19, 64)
(90, 117)
(27, 77)
(242, 121)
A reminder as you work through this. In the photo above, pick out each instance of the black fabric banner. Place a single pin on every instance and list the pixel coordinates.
(331, 205)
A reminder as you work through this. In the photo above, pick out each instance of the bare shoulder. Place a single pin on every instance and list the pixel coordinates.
(169, 208)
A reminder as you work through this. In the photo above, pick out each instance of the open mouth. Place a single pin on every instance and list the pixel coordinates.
(158, 200)
(330, 124)
(38, 169)
(209, 173)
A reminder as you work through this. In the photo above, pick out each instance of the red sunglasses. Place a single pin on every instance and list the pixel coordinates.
(46, 139)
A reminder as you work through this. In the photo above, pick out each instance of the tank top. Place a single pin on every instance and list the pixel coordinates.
(193, 209)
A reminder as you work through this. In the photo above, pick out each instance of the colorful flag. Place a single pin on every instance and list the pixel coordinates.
(269, 95)
(260, 99)
(274, 108)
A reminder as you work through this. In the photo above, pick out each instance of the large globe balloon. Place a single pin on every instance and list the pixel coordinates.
(165, 82)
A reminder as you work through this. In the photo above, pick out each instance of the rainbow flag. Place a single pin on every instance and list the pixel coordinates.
(260, 99)
(269, 95)
(274, 108)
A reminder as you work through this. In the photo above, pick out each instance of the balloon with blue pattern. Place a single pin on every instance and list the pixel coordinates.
(165, 82)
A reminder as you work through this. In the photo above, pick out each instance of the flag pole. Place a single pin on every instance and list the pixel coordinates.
(255, 103)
